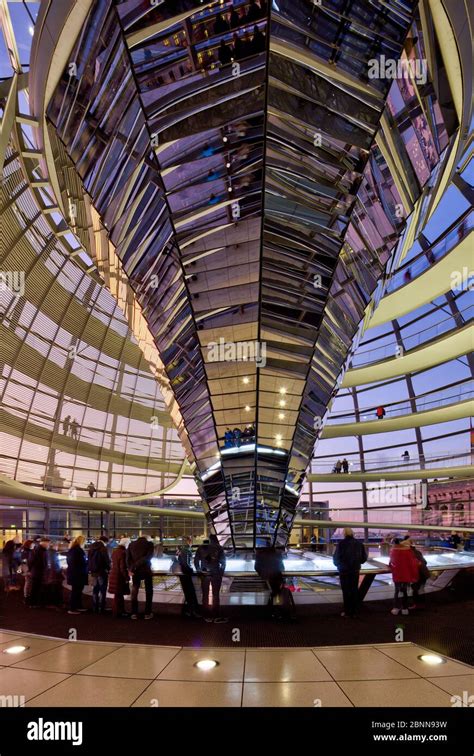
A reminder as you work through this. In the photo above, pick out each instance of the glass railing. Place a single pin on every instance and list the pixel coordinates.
(414, 268)
(404, 408)
(378, 354)
(387, 463)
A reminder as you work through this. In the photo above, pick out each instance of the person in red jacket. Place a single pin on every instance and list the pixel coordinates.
(405, 570)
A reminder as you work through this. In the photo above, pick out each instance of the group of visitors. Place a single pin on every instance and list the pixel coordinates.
(242, 47)
(38, 562)
(232, 20)
(409, 571)
(342, 465)
(121, 573)
(71, 427)
(237, 437)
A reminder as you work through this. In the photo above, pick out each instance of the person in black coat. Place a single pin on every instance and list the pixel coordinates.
(348, 558)
(224, 54)
(139, 555)
(210, 564)
(99, 568)
(184, 555)
(53, 580)
(270, 567)
(76, 573)
(38, 565)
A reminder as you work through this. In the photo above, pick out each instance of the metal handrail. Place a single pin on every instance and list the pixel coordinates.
(368, 357)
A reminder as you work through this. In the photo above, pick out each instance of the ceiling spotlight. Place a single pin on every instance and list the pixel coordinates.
(245, 380)
(281, 415)
(15, 649)
(206, 664)
(283, 391)
(229, 188)
(282, 403)
(227, 165)
(247, 408)
(225, 139)
(279, 437)
(432, 659)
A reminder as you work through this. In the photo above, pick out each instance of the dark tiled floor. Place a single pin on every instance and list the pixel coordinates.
(446, 625)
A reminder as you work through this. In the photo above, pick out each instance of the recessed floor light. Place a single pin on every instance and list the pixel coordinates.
(432, 659)
(206, 664)
(15, 649)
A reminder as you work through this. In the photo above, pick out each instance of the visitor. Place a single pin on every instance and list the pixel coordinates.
(380, 412)
(53, 582)
(92, 489)
(76, 574)
(345, 466)
(234, 19)
(350, 554)
(406, 456)
(210, 562)
(66, 424)
(405, 571)
(338, 466)
(418, 588)
(224, 54)
(228, 439)
(258, 42)
(385, 546)
(37, 566)
(220, 25)
(455, 541)
(75, 429)
(139, 555)
(119, 579)
(238, 47)
(184, 554)
(11, 558)
(314, 543)
(99, 568)
(254, 12)
(270, 567)
(237, 433)
(24, 554)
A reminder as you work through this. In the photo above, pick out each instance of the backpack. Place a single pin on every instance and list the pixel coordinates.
(284, 603)
(96, 561)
